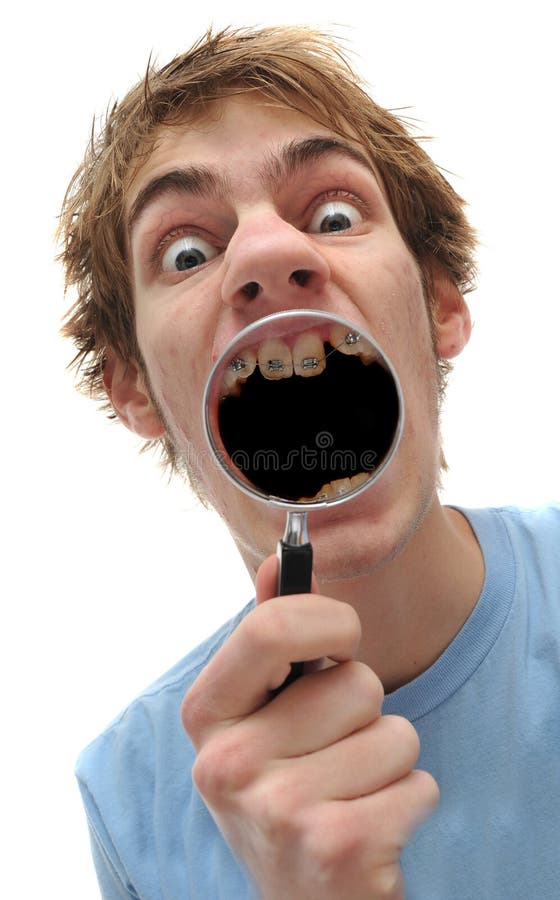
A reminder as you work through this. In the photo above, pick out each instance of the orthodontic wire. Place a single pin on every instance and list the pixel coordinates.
(238, 363)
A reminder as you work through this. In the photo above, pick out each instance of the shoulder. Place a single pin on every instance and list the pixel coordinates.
(535, 539)
(526, 528)
(530, 538)
(540, 520)
(134, 744)
(532, 531)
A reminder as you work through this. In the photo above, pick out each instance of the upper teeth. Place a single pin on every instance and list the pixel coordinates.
(237, 372)
(308, 354)
(276, 359)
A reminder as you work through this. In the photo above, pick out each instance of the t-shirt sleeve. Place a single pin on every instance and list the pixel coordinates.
(111, 876)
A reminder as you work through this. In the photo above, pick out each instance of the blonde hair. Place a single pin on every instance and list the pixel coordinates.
(295, 66)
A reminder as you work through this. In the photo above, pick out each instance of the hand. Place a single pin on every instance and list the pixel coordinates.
(314, 790)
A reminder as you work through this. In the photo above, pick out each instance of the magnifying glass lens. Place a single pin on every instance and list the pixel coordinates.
(303, 409)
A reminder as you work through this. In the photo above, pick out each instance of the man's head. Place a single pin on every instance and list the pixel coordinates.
(291, 67)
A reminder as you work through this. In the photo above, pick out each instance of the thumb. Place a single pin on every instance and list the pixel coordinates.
(266, 582)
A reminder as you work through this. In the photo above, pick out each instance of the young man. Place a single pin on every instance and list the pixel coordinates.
(249, 176)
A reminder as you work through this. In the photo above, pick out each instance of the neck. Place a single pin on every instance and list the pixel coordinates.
(412, 608)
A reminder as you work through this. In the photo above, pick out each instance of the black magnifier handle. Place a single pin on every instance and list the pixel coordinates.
(295, 568)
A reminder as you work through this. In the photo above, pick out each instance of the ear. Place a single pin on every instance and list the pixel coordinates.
(126, 388)
(452, 317)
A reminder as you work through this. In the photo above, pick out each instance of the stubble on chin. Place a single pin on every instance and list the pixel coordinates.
(357, 559)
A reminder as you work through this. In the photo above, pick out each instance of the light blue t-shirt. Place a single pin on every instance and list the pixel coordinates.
(488, 716)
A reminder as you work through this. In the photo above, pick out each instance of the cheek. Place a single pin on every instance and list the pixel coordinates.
(393, 302)
(172, 347)
(406, 335)
(160, 341)
(175, 329)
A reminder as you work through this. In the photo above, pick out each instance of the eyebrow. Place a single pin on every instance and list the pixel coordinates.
(198, 181)
(279, 166)
(298, 154)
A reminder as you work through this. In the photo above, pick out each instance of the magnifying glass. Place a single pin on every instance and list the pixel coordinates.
(302, 411)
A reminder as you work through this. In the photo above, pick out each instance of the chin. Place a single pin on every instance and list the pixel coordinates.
(350, 557)
(365, 542)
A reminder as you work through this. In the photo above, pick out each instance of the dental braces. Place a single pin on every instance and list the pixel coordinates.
(238, 364)
(310, 362)
(278, 365)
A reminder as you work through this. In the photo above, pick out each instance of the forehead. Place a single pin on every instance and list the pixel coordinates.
(238, 135)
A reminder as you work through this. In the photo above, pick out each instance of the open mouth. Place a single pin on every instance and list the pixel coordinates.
(308, 419)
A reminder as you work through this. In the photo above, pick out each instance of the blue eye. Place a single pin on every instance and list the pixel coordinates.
(333, 217)
(188, 252)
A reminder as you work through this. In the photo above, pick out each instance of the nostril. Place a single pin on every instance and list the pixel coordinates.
(251, 289)
(300, 277)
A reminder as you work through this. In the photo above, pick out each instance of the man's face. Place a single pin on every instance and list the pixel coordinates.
(222, 214)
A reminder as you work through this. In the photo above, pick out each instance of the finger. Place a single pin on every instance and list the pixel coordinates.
(361, 763)
(317, 711)
(402, 806)
(266, 581)
(391, 815)
(256, 658)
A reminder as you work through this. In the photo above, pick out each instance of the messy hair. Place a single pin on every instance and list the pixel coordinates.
(296, 67)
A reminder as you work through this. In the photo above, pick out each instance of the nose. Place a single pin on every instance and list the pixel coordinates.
(273, 265)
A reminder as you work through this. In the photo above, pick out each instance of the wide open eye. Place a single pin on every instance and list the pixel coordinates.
(188, 252)
(334, 216)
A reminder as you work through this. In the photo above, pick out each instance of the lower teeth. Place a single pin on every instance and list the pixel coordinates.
(338, 488)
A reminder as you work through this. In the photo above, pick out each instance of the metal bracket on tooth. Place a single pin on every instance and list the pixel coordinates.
(275, 365)
(237, 364)
(310, 362)
(352, 338)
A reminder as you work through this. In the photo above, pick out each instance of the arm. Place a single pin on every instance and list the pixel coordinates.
(111, 874)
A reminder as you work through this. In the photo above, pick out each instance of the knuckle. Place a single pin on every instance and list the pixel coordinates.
(268, 626)
(331, 842)
(341, 851)
(364, 684)
(415, 800)
(387, 882)
(427, 788)
(404, 736)
(276, 804)
(224, 767)
(352, 622)
(193, 712)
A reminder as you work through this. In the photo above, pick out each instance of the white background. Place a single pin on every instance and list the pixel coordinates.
(109, 574)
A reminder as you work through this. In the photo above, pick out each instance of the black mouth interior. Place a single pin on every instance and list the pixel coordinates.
(292, 436)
